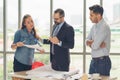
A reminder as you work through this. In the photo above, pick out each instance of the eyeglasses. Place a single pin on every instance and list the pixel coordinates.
(57, 18)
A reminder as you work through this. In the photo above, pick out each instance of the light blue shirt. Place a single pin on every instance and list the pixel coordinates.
(23, 54)
(100, 32)
(59, 27)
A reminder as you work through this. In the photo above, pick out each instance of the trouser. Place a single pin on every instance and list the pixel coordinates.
(101, 65)
(17, 66)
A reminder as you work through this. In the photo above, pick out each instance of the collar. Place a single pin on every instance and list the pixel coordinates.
(100, 22)
(61, 24)
(25, 29)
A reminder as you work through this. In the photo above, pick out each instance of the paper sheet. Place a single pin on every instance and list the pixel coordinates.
(48, 72)
(36, 46)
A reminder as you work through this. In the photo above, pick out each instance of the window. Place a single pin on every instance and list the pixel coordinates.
(1, 66)
(112, 16)
(11, 21)
(9, 64)
(115, 66)
(11, 28)
(1, 25)
(1, 39)
(40, 12)
(73, 16)
(45, 59)
(76, 62)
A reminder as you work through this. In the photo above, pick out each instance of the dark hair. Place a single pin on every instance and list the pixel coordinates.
(60, 11)
(23, 26)
(97, 9)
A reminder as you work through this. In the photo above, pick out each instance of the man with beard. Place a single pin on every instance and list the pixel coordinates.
(61, 40)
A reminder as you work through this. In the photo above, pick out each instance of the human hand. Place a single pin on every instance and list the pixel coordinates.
(13, 46)
(50, 38)
(89, 42)
(54, 40)
(102, 45)
(20, 44)
(42, 51)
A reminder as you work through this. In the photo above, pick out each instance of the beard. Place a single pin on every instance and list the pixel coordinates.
(56, 23)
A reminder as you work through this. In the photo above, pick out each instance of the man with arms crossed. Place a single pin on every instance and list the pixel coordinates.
(99, 41)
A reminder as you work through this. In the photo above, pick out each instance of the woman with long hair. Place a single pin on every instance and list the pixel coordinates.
(26, 35)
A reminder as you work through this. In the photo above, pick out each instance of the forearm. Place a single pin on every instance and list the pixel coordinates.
(14, 46)
(17, 44)
(89, 43)
(97, 43)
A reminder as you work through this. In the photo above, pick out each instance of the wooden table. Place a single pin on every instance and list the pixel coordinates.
(19, 75)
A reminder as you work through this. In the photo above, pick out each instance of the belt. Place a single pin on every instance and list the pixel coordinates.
(102, 57)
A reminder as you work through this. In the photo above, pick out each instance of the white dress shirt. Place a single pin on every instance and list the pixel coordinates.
(100, 32)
